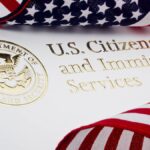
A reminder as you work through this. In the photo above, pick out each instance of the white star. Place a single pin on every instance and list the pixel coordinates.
(32, 11)
(84, 23)
(86, 12)
(30, 22)
(103, 8)
(136, 1)
(65, 25)
(136, 14)
(67, 17)
(49, 7)
(68, 3)
(12, 22)
(119, 18)
(49, 20)
(119, 3)
(101, 22)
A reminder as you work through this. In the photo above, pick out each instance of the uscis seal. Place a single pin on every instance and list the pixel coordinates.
(23, 78)
(11, 8)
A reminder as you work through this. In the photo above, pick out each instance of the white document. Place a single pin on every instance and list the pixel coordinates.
(55, 80)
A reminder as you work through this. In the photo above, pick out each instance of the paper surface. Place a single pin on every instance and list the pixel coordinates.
(92, 74)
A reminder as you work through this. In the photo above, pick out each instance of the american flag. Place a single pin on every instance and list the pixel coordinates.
(127, 131)
(75, 12)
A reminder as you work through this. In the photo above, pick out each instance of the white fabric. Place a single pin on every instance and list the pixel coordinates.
(102, 138)
(77, 141)
(125, 140)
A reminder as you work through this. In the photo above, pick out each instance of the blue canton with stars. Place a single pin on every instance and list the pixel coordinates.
(83, 12)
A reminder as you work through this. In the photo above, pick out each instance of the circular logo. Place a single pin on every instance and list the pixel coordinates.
(11, 8)
(23, 78)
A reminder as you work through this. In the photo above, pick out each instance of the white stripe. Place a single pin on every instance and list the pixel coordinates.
(102, 138)
(3, 11)
(146, 144)
(125, 140)
(79, 138)
(19, 1)
(134, 117)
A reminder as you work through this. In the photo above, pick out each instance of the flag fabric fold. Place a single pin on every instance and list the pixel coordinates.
(127, 131)
(75, 12)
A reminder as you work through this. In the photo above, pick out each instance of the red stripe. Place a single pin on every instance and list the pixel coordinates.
(113, 139)
(16, 14)
(137, 142)
(11, 5)
(90, 138)
(145, 111)
(67, 140)
(140, 128)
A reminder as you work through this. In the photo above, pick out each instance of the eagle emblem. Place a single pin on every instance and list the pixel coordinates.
(13, 71)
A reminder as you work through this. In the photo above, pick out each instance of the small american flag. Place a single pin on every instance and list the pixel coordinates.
(127, 131)
(75, 12)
